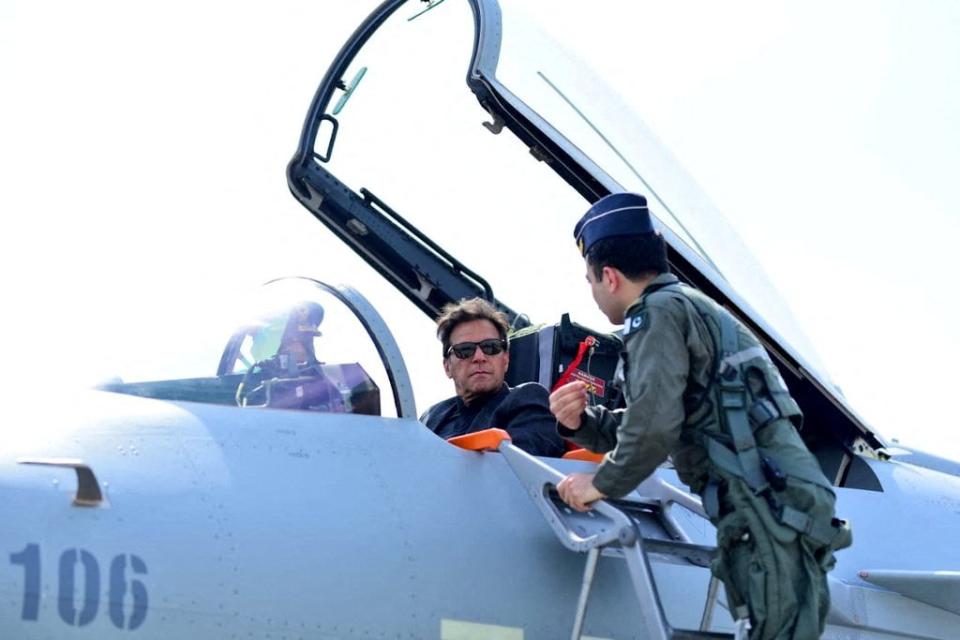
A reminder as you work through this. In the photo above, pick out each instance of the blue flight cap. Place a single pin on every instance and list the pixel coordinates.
(618, 214)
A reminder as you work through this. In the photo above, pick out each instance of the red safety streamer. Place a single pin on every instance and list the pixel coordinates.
(588, 342)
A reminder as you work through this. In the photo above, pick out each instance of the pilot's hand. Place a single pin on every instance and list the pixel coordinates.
(577, 490)
(568, 402)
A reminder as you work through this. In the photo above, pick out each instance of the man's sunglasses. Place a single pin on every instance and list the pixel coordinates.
(490, 347)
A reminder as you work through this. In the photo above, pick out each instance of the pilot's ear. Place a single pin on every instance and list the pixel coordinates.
(446, 366)
(611, 279)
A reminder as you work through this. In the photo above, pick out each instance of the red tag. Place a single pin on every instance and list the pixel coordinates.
(594, 384)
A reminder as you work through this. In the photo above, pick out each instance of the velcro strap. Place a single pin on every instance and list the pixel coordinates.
(732, 398)
(762, 413)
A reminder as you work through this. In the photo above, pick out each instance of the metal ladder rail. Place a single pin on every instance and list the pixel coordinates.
(681, 546)
(539, 480)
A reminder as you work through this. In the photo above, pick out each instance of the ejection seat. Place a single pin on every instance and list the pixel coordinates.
(554, 353)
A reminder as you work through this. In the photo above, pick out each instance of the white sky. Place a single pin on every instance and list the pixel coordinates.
(143, 148)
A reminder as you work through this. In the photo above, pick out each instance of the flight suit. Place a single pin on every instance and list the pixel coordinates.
(700, 388)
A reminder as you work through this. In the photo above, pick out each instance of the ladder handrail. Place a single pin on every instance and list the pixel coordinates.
(613, 528)
(539, 478)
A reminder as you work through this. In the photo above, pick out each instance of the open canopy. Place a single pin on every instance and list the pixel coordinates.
(397, 88)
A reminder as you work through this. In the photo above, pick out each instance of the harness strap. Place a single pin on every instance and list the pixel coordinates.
(824, 533)
(735, 452)
(711, 499)
(821, 532)
(723, 457)
(738, 358)
(801, 472)
(733, 405)
(728, 461)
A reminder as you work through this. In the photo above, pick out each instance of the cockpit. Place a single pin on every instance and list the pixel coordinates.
(541, 114)
(298, 344)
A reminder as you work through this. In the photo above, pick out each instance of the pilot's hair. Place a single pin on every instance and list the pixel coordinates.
(456, 313)
(634, 256)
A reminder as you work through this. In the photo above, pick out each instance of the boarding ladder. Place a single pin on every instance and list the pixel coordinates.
(631, 529)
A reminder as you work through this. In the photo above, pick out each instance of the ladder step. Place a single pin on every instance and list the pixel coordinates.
(687, 634)
(697, 554)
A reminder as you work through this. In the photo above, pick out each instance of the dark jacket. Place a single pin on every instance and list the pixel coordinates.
(522, 411)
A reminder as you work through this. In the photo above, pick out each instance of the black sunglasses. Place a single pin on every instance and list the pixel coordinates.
(490, 347)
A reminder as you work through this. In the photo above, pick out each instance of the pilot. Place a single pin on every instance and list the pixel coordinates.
(700, 388)
(474, 338)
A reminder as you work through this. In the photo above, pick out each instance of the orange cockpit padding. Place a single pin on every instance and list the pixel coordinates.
(583, 454)
(486, 440)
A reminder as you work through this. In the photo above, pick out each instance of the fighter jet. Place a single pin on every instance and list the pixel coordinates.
(292, 492)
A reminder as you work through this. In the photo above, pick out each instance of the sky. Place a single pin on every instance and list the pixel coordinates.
(143, 148)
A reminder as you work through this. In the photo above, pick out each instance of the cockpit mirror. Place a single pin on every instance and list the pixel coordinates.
(348, 91)
(430, 5)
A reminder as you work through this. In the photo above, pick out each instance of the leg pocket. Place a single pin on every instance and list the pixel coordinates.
(757, 579)
(728, 566)
(765, 571)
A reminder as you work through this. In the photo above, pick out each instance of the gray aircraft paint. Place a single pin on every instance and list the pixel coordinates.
(285, 522)
(275, 521)
(228, 522)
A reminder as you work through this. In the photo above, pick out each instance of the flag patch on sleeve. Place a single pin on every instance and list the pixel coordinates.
(634, 323)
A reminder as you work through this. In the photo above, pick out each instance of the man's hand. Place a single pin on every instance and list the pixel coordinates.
(577, 490)
(568, 402)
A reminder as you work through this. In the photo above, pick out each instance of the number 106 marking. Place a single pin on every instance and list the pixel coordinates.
(79, 566)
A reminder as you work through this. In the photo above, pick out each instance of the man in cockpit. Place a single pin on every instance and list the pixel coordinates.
(297, 339)
(700, 387)
(475, 356)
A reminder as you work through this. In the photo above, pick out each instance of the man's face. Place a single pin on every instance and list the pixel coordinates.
(478, 374)
(298, 352)
(600, 288)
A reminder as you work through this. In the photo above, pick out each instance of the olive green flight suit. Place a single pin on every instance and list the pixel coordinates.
(700, 388)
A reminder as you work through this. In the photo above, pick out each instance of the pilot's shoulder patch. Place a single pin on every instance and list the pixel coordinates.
(634, 323)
